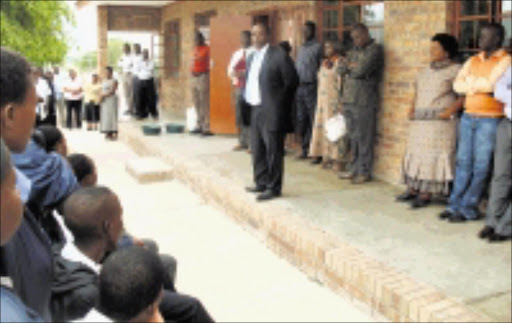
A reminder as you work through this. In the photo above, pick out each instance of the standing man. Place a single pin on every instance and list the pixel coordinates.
(308, 62)
(136, 60)
(73, 94)
(477, 130)
(147, 100)
(270, 88)
(201, 85)
(125, 64)
(499, 213)
(43, 96)
(237, 71)
(362, 71)
(51, 118)
(60, 104)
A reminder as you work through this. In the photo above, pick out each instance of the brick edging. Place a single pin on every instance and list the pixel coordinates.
(322, 256)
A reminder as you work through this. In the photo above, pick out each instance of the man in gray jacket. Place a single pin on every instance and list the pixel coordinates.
(362, 72)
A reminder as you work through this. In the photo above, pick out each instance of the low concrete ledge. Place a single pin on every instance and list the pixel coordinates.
(149, 170)
(323, 257)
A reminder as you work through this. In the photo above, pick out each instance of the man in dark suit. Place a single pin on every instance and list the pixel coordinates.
(270, 88)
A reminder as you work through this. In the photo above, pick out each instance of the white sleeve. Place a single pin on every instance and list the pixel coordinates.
(231, 64)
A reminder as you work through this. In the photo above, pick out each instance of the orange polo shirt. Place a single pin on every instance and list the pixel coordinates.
(201, 59)
(477, 80)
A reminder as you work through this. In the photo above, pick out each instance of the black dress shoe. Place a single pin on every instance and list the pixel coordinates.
(406, 196)
(206, 134)
(255, 189)
(486, 232)
(196, 131)
(267, 195)
(457, 218)
(445, 215)
(316, 161)
(494, 237)
(419, 203)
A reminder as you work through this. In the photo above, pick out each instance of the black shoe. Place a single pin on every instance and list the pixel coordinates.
(267, 195)
(406, 196)
(494, 237)
(419, 203)
(457, 218)
(486, 232)
(255, 189)
(196, 131)
(206, 134)
(445, 215)
(316, 161)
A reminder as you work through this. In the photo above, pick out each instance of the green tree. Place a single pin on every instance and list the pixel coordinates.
(87, 62)
(36, 29)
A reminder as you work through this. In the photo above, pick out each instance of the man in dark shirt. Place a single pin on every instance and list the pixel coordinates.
(362, 71)
(308, 63)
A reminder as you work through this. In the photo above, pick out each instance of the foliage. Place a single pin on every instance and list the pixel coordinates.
(36, 29)
(87, 62)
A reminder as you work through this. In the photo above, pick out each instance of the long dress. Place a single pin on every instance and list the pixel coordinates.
(329, 103)
(108, 113)
(429, 161)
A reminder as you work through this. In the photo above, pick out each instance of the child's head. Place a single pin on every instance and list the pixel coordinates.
(84, 169)
(131, 286)
(11, 208)
(51, 139)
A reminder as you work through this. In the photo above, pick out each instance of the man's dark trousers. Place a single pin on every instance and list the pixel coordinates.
(267, 153)
(306, 100)
(147, 99)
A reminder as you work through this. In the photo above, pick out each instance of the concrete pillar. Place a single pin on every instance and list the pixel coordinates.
(102, 39)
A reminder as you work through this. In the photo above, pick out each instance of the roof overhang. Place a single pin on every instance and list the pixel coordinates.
(143, 3)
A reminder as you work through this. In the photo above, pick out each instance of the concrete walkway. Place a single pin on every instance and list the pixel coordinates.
(236, 276)
(447, 257)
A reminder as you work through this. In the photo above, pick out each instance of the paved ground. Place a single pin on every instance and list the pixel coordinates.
(447, 256)
(234, 274)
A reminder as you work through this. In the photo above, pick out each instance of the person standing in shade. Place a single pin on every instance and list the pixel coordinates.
(51, 117)
(147, 99)
(60, 103)
(499, 212)
(270, 88)
(136, 60)
(308, 62)
(73, 94)
(92, 103)
(125, 65)
(362, 73)
(329, 104)
(477, 130)
(108, 110)
(43, 95)
(237, 70)
(201, 85)
(428, 166)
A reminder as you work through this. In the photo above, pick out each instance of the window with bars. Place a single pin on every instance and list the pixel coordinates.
(172, 48)
(470, 16)
(337, 18)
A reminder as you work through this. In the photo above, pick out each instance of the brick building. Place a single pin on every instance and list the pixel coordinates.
(403, 27)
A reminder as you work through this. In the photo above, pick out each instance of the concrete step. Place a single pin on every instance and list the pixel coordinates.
(403, 269)
(149, 170)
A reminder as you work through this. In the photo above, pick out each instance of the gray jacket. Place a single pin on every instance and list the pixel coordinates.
(361, 83)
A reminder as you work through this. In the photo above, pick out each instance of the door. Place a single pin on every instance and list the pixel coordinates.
(224, 41)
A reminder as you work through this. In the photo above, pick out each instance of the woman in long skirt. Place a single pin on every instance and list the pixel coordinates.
(329, 104)
(108, 113)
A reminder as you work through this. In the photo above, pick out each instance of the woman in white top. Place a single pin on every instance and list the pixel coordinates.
(73, 94)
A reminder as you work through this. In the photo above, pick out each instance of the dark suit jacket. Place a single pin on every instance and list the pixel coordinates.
(278, 83)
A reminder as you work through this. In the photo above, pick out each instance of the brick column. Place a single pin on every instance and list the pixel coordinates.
(102, 46)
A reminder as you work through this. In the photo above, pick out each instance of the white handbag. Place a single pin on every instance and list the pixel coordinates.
(191, 119)
(335, 128)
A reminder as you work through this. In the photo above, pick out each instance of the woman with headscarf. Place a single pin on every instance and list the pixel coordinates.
(428, 165)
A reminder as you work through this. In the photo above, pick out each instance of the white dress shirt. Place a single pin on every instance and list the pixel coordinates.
(126, 63)
(237, 56)
(503, 92)
(252, 88)
(73, 85)
(145, 69)
(136, 60)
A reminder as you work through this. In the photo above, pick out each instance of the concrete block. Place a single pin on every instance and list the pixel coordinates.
(149, 169)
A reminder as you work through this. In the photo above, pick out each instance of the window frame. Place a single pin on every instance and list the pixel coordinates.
(340, 6)
(172, 28)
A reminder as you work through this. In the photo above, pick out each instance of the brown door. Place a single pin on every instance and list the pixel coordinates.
(224, 41)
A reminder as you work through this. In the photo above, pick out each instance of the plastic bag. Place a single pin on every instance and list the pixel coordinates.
(191, 119)
(335, 128)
